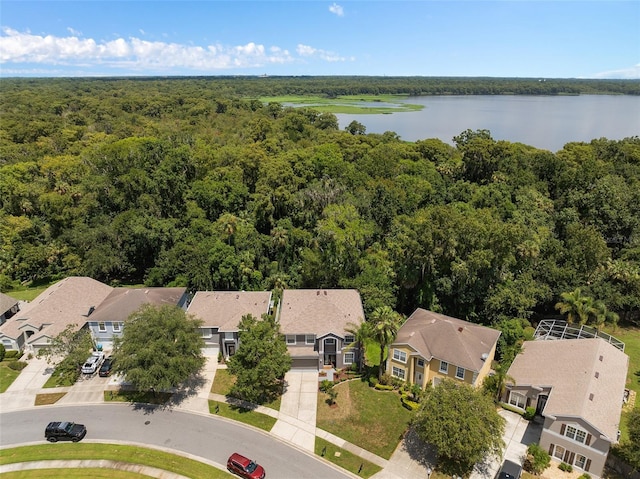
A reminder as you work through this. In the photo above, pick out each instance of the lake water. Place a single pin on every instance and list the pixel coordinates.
(546, 122)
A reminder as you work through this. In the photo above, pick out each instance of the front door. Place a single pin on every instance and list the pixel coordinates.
(231, 350)
(418, 378)
(330, 360)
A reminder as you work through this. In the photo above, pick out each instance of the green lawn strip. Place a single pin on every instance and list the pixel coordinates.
(49, 398)
(246, 416)
(56, 381)
(115, 452)
(223, 381)
(28, 294)
(345, 459)
(81, 473)
(375, 420)
(146, 397)
(7, 375)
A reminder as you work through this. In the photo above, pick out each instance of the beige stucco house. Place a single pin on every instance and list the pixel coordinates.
(430, 347)
(577, 385)
(221, 312)
(314, 323)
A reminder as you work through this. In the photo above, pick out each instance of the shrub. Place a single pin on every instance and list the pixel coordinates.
(584, 476)
(537, 459)
(386, 379)
(408, 403)
(17, 365)
(529, 413)
(326, 386)
(12, 354)
(565, 467)
(383, 387)
(3, 351)
(373, 381)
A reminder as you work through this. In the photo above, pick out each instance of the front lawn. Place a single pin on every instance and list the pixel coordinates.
(146, 397)
(246, 416)
(374, 420)
(7, 375)
(345, 459)
(224, 381)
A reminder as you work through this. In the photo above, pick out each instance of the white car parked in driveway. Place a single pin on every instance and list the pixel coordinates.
(93, 362)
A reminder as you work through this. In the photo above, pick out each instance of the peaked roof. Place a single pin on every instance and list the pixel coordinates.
(319, 311)
(121, 302)
(61, 304)
(6, 303)
(225, 309)
(587, 378)
(455, 341)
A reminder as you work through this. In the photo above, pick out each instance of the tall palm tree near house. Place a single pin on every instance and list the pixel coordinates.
(501, 380)
(361, 333)
(385, 323)
(576, 306)
(600, 314)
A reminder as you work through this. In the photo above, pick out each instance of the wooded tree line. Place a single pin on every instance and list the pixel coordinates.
(185, 182)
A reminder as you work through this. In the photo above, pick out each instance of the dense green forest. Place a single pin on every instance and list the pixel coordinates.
(195, 182)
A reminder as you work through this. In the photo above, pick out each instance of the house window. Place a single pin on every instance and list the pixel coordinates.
(399, 356)
(349, 358)
(420, 363)
(558, 452)
(397, 372)
(102, 327)
(517, 399)
(460, 372)
(117, 327)
(576, 434)
(291, 339)
(349, 338)
(444, 367)
(309, 339)
(206, 332)
(581, 461)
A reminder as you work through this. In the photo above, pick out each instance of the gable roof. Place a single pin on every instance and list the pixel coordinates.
(587, 378)
(319, 311)
(121, 302)
(6, 303)
(225, 309)
(61, 304)
(453, 340)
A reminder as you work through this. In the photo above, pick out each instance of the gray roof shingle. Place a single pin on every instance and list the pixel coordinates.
(225, 309)
(121, 302)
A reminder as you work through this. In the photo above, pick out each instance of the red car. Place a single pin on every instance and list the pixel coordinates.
(245, 467)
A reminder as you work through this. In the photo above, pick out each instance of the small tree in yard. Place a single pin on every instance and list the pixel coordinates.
(261, 361)
(68, 351)
(451, 408)
(160, 348)
(537, 459)
(326, 387)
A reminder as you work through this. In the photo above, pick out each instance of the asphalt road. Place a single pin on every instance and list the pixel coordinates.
(205, 436)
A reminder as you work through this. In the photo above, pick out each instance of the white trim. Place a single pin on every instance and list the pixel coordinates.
(306, 339)
(117, 326)
(398, 372)
(444, 367)
(516, 396)
(351, 360)
(102, 327)
(399, 355)
(458, 369)
(291, 339)
(577, 432)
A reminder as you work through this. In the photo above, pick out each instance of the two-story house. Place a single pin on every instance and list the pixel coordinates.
(106, 319)
(221, 312)
(578, 386)
(314, 323)
(430, 347)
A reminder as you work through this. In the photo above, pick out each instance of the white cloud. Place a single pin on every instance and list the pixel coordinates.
(337, 9)
(308, 51)
(135, 53)
(74, 32)
(631, 73)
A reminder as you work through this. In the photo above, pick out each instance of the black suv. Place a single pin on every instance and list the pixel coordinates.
(105, 369)
(510, 470)
(64, 431)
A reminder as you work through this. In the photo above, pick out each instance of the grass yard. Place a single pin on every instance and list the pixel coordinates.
(46, 399)
(28, 294)
(630, 336)
(92, 472)
(145, 397)
(224, 381)
(56, 380)
(374, 420)
(246, 416)
(115, 452)
(362, 104)
(7, 375)
(345, 459)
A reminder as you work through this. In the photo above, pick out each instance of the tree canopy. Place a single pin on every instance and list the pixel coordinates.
(160, 348)
(449, 408)
(261, 360)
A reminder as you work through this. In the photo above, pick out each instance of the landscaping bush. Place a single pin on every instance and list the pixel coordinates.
(17, 365)
(537, 459)
(565, 467)
(3, 351)
(584, 476)
(12, 354)
(529, 413)
(408, 403)
(384, 387)
(386, 379)
(373, 381)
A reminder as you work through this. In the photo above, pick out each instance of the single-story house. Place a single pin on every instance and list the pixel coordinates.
(578, 386)
(106, 319)
(67, 302)
(430, 347)
(8, 307)
(221, 312)
(314, 324)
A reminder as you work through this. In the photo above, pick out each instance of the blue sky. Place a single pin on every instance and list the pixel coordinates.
(557, 39)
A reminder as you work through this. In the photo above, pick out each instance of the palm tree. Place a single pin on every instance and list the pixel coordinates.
(501, 380)
(575, 306)
(600, 314)
(385, 323)
(361, 333)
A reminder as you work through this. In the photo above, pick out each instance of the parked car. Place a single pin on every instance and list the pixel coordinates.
(93, 362)
(64, 431)
(105, 369)
(510, 470)
(245, 467)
